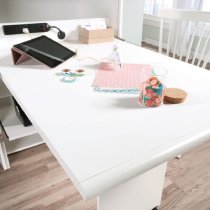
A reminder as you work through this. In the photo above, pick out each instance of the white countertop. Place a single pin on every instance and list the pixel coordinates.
(102, 139)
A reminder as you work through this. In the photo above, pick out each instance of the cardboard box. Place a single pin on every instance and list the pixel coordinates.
(96, 36)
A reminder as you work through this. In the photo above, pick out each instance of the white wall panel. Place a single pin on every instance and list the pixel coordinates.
(39, 10)
(3, 11)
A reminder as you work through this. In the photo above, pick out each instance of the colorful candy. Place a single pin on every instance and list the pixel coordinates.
(151, 93)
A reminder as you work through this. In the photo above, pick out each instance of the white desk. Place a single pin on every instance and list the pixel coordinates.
(107, 144)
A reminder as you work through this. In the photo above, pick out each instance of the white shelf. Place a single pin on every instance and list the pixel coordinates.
(4, 92)
(23, 143)
(12, 125)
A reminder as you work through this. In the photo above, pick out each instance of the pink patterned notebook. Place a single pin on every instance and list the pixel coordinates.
(126, 77)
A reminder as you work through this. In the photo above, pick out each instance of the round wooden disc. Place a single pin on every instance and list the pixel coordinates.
(174, 95)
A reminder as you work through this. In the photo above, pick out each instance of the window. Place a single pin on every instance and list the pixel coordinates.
(206, 5)
(151, 6)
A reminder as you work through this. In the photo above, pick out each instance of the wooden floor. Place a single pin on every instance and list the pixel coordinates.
(37, 182)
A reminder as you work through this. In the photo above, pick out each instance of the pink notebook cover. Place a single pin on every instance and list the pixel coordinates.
(126, 77)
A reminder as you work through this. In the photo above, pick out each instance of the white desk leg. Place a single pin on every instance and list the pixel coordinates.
(141, 193)
(3, 156)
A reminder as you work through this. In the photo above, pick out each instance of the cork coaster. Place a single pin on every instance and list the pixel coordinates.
(174, 95)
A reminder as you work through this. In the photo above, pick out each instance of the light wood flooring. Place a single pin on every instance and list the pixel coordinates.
(37, 182)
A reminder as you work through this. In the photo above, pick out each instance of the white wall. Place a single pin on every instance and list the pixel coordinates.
(3, 11)
(35, 10)
(39, 10)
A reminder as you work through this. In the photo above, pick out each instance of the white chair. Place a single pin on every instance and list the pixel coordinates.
(188, 35)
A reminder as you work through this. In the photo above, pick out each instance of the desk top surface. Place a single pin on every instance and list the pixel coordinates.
(102, 140)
